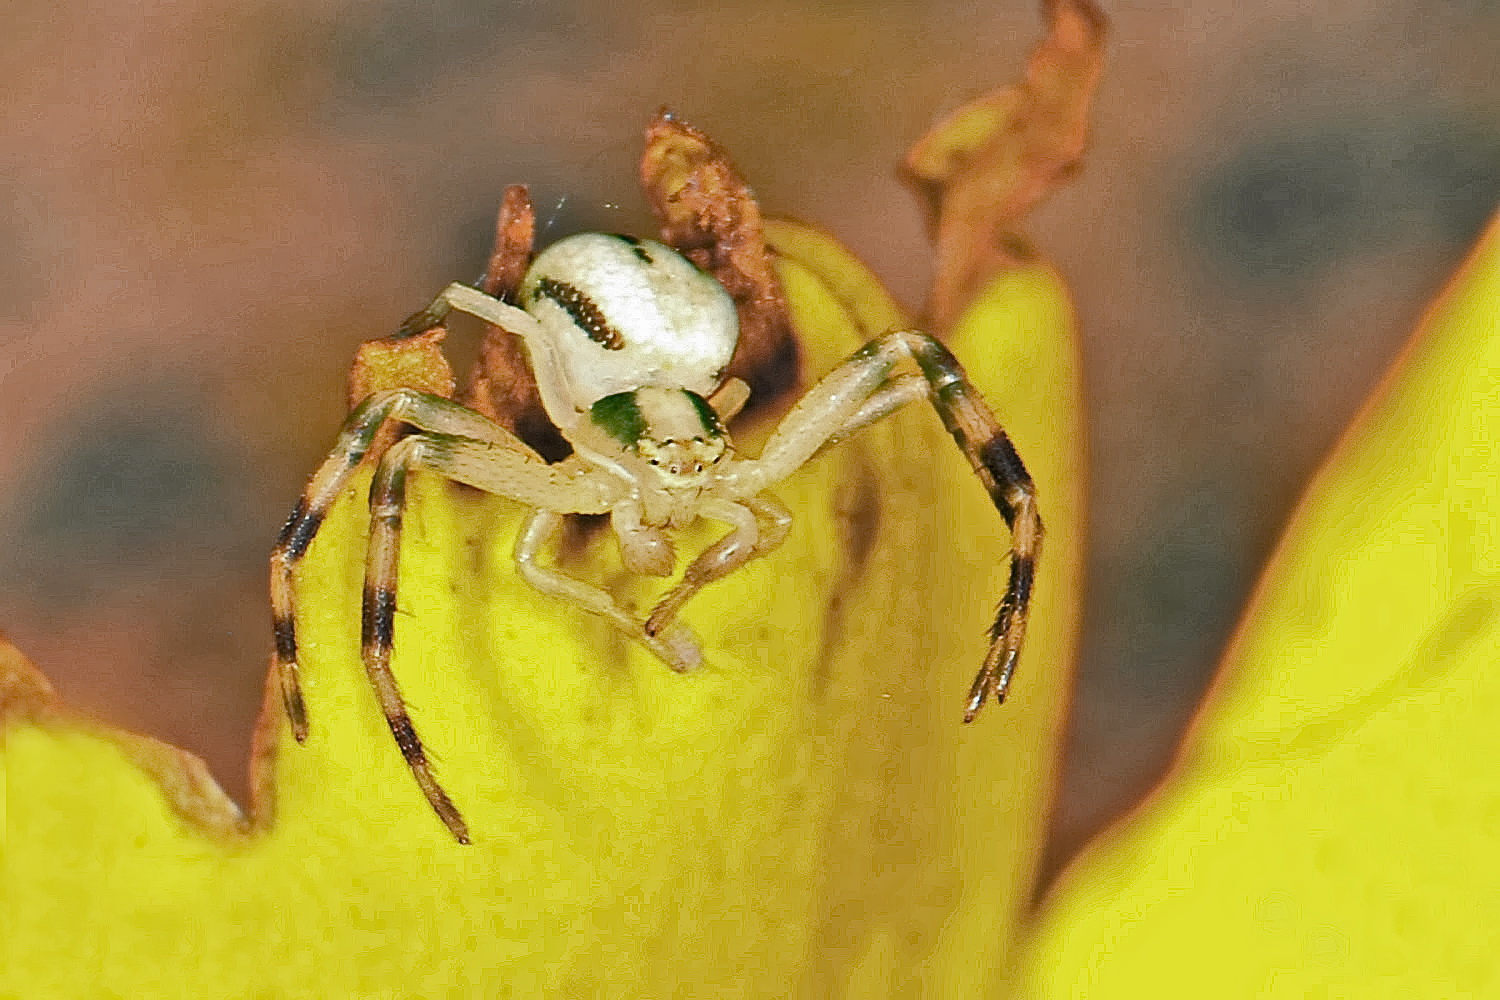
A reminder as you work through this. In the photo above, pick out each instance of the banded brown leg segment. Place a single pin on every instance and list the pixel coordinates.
(870, 385)
(418, 409)
(984, 442)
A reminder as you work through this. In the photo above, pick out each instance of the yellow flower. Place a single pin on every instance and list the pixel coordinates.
(805, 815)
(1332, 825)
(807, 808)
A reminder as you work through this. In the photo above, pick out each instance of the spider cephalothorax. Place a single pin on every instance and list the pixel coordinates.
(628, 342)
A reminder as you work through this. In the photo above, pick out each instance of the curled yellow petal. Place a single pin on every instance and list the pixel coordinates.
(1330, 828)
(803, 816)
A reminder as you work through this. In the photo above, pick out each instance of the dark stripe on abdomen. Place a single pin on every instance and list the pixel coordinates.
(641, 253)
(584, 312)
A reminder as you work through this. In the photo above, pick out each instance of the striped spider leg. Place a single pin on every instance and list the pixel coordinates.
(867, 388)
(466, 447)
(457, 443)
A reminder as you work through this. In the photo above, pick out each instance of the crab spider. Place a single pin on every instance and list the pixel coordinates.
(628, 341)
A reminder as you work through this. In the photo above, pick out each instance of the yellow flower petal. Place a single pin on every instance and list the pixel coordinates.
(803, 816)
(1330, 829)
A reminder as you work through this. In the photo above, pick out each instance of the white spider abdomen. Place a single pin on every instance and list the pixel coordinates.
(626, 313)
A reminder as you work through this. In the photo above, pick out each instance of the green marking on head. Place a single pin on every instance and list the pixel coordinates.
(620, 417)
(706, 413)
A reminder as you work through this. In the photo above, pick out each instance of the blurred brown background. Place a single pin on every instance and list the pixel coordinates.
(205, 205)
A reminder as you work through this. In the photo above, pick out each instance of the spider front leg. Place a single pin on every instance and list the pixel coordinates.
(459, 444)
(479, 463)
(349, 453)
(378, 624)
(760, 524)
(677, 648)
(866, 388)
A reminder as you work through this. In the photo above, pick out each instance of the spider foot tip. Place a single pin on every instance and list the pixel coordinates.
(454, 821)
(678, 650)
(297, 716)
(679, 666)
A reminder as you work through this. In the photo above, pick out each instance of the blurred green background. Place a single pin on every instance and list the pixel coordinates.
(211, 203)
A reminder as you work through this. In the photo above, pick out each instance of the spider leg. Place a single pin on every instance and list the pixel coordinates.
(546, 366)
(890, 397)
(760, 525)
(407, 406)
(378, 625)
(729, 399)
(979, 435)
(677, 649)
(863, 389)
(478, 463)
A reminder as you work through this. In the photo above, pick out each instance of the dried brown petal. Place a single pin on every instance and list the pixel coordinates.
(401, 362)
(709, 213)
(186, 782)
(984, 167)
(501, 385)
(515, 234)
(23, 690)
